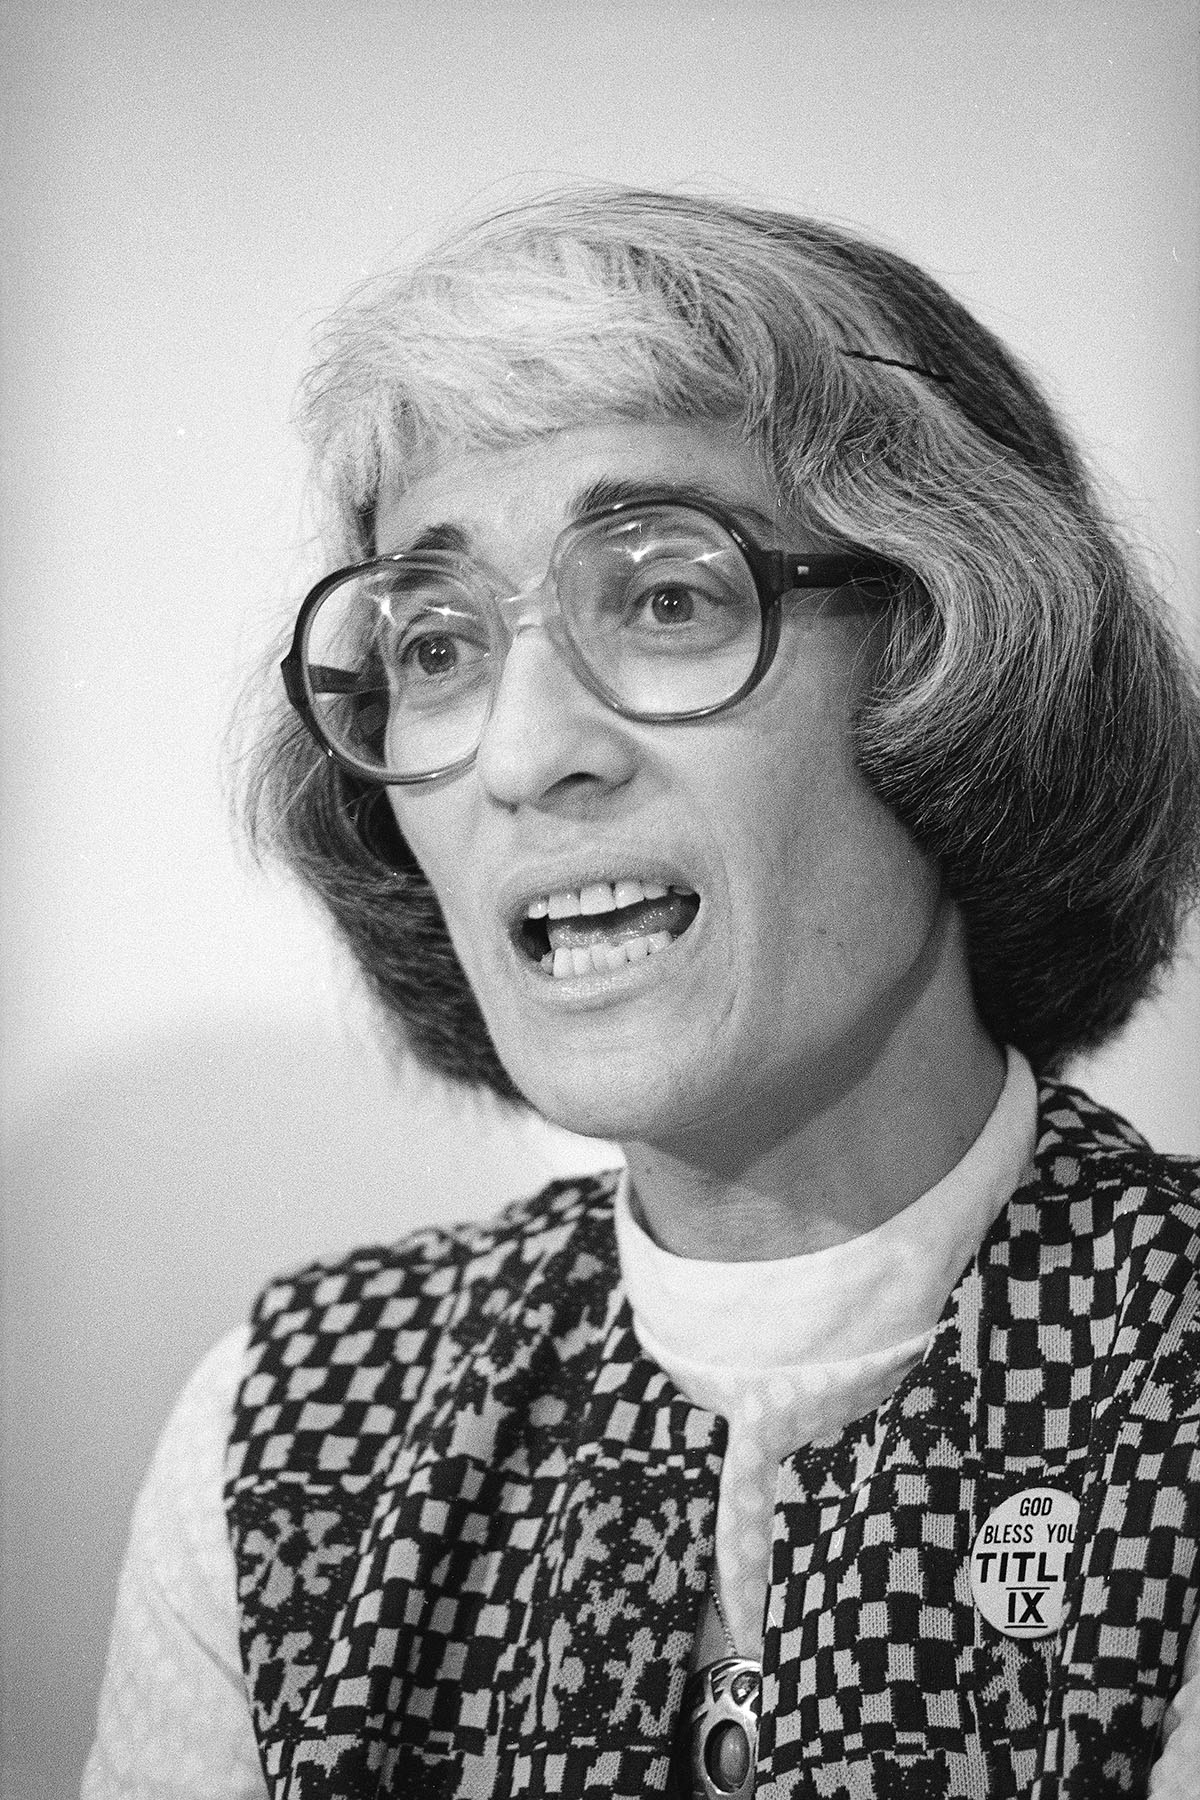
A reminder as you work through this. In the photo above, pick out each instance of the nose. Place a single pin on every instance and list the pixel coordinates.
(547, 733)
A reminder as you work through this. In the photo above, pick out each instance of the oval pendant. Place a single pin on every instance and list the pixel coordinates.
(720, 1714)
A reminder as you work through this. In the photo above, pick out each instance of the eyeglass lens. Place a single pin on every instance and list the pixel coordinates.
(657, 610)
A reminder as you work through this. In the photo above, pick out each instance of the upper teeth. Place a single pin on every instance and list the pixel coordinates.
(597, 897)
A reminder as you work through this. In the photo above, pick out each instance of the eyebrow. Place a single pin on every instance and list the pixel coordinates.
(611, 491)
(448, 537)
(596, 496)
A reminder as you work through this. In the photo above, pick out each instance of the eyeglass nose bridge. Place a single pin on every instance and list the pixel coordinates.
(539, 607)
(536, 604)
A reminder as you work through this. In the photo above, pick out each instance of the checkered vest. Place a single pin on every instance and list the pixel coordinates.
(473, 1523)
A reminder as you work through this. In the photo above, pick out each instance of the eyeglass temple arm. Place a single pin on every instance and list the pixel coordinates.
(842, 578)
(833, 570)
(322, 678)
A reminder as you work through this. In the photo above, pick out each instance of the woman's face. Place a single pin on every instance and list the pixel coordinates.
(782, 976)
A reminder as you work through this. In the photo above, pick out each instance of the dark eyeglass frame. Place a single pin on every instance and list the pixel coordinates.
(775, 573)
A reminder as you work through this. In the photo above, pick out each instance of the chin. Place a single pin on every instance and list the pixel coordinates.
(628, 1105)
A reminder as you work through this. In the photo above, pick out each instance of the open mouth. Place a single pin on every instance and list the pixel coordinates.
(599, 928)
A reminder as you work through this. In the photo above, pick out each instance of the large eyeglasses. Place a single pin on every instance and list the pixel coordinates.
(664, 611)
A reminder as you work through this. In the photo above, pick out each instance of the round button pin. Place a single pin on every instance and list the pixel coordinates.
(1019, 1562)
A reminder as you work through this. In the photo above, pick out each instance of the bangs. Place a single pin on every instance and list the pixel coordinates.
(557, 315)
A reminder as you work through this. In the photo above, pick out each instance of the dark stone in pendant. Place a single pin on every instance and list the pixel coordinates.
(719, 1747)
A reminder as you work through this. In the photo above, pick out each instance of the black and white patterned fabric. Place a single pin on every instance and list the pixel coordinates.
(474, 1524)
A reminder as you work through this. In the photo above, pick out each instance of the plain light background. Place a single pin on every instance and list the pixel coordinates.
(192, 1093)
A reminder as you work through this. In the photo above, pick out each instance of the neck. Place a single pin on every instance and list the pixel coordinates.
(848, 1143)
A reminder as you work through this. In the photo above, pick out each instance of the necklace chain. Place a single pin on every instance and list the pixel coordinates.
(720, 1611)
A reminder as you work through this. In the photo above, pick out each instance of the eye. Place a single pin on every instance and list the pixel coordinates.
(438, 662)
(674, 592)
(432, 654)
(684, 610)
(671, 604)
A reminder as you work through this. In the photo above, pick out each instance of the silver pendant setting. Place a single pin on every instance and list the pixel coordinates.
(720, 1710)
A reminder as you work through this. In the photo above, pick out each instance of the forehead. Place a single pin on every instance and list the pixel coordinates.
(510, 503)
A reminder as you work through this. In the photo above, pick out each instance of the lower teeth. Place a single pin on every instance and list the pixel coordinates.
(603, 959)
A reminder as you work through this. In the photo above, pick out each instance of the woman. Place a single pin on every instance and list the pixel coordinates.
(733, 729)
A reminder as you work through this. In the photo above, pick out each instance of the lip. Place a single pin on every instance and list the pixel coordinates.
(535, 881)
(580, 992)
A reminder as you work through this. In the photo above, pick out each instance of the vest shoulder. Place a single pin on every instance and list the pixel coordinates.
(1081, 1142)
(438, 1260)
(1094, 1176)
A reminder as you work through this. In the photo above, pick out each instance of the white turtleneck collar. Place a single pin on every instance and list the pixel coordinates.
(790, 1351)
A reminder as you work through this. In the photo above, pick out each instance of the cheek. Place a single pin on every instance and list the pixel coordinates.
(437, 837)
(822, 871)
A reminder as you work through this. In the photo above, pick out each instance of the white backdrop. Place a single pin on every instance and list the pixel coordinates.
(192, 1095)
